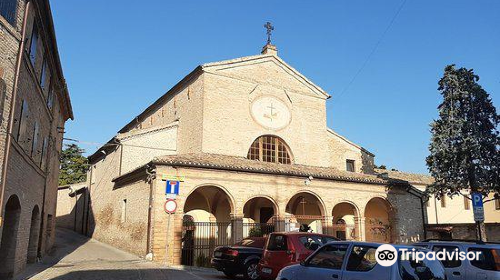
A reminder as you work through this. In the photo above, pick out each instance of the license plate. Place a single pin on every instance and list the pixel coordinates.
(266, 270)
(218, 254)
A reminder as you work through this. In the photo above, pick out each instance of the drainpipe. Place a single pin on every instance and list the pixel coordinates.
(12, 109)
(151, 175)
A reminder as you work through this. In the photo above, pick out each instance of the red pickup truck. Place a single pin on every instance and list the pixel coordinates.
(287, 248)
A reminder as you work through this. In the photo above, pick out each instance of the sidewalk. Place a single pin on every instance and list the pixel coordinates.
(76, 257)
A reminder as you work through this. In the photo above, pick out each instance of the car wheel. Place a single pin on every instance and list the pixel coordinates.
(251, 272)
(229, 274)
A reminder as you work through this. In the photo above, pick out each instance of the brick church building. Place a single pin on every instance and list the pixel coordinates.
(248, 142)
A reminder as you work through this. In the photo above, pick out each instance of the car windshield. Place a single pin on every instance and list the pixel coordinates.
(252, 242)
(422, 270)
(313, 242)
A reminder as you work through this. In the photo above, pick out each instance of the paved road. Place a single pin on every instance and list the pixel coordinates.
(78, 258)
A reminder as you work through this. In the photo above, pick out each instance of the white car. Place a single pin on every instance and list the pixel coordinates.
(356, 261)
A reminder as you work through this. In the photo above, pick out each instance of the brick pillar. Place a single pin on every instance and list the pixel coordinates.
(236, 229)
(279, 224)
(394, 230)
(360, 225)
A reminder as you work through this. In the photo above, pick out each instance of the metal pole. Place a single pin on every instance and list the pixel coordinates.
(478, 225)
(167, 245)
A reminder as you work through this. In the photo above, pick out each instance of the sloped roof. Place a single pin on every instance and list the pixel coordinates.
(233, 163)
(277, 59)
(409, 177)
(198, 70)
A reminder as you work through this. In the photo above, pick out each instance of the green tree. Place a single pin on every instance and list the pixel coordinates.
(73, 165)
(464, 148)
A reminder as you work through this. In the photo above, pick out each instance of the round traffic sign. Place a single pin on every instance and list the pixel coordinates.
(170, 206)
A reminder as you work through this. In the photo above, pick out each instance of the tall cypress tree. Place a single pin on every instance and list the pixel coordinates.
(73, 165)
(464, 148)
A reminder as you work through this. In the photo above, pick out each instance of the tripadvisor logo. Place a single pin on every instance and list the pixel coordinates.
(387, 255)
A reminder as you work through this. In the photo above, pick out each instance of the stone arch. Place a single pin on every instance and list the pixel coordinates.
(213, 199)
(206, 223)
(259, 200)
(306, 208)
(345, 217)
(33, 237)
(10, 230)
(378, 220)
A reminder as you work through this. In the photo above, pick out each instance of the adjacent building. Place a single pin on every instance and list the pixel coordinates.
(245, 141)
(34, 105)
(452, 218)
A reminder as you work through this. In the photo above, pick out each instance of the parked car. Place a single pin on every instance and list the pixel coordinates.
(284, 249)
(242, 258)
(486, 267)
(356, 261)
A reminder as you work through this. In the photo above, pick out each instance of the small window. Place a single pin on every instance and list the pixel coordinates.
(330, 256)
(497, 204)
(277, 243)
(450, 263)
(23, 118)
(362, 258)
(8, 10)
(124, 211)
(50, 98)
(33, 44)
(349, 165)
(443, 201)
(34, 144)
(489, 259)
(43, 159)
(43, 77)
(466, 203)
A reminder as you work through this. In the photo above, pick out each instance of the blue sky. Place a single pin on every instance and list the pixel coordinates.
(120, 56)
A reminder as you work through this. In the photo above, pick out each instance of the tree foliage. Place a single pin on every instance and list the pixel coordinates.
(464, 148)
(73, 165)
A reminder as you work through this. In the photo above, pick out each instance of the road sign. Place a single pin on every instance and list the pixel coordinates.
(477, 207)
(170, 206)
(172, 188)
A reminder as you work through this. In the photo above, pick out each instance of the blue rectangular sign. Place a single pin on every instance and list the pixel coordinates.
(172, 187)
(477, 200)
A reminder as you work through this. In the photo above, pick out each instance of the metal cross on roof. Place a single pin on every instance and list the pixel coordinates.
(269, 29)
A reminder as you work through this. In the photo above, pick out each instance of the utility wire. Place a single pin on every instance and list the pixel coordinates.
(373, 50)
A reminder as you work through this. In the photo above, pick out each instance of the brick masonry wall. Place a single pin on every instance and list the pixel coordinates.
(25, 177)
(107, 208)
(241, 187)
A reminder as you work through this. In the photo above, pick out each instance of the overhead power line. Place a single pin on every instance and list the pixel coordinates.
(373, 50)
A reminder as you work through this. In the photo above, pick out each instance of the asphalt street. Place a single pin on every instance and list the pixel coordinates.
(75, 257)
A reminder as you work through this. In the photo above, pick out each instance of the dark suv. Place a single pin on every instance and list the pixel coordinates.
(242, 258)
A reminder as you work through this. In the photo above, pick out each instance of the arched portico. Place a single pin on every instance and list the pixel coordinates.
(34, 233)
(345, 221)
(206, 224)
(259, 216)
(305, 209)
(9, 237)
(378, 216)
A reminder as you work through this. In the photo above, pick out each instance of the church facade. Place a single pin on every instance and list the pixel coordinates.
(247, 143)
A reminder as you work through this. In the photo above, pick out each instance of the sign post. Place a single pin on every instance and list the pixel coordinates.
(477, 207)
(170, 207)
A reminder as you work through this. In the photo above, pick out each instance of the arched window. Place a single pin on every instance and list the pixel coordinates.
(270, 149)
